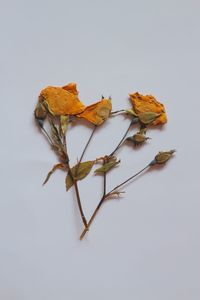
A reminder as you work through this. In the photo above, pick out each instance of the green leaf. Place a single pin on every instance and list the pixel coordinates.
(56, 167)
(148, 117)
(108, 166)
(78, 172)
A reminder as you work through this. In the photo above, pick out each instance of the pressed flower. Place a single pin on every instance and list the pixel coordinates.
(98, 112)
(62, 101)
(148, 103)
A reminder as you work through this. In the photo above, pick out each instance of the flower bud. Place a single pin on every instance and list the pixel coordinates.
(137, 139)
(162, 157)
(40, 114)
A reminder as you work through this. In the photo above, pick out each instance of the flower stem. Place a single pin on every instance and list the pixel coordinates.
(121, 141)
(47, 135)
(106, 195)
(76, 182)
(117, 111)
(87, 144)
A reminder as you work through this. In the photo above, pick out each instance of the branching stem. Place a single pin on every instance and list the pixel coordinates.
(106, 195)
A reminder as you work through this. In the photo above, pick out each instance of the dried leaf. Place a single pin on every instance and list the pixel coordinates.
(108, 166)
(55, 134)
(58, 145)
(56, 167)
(114, 195)
(79, 172)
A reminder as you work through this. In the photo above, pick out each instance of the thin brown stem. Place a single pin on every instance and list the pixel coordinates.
(117, 111)
(121, 141)
(78, 197)
(86, 146)
(105, 196)
(127, 180)
(47, 135)
(76, 183)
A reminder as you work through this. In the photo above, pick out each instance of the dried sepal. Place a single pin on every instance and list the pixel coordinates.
(114, 195)
(131, 112)
(148, 118)
(40, 114)
(64, 122)
(162, 157)
(78, 172)
(111, 163)
(56, 167)
(57, 142)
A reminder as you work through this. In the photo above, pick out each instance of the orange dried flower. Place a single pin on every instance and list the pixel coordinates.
(62, 101)
(98, 112)
(148, 103)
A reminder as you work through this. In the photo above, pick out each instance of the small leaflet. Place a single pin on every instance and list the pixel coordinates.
(79, 172)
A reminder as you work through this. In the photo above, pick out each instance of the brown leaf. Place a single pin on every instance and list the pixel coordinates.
(79, 172)
(56, 167)
(108, 166)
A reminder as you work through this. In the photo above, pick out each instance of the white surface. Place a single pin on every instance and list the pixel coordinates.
(146, 245)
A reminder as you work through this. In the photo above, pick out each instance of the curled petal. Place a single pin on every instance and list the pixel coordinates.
(148, 103)
(97, 113)
(71, 87)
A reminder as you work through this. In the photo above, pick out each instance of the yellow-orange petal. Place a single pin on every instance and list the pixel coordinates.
(61, 102)
(98, 112)
(71, 87)
(148, 103)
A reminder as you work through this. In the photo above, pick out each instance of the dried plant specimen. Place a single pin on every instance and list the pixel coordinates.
(53, 113)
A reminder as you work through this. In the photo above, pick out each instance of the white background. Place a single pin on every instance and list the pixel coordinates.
(145, 245)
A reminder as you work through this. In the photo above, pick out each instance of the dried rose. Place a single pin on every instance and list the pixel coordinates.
(62, 101)
(144, 104)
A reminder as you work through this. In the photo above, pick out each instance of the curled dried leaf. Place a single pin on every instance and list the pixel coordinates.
(111, 163)
(78, 172)
(148, 103)
(56, 167)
